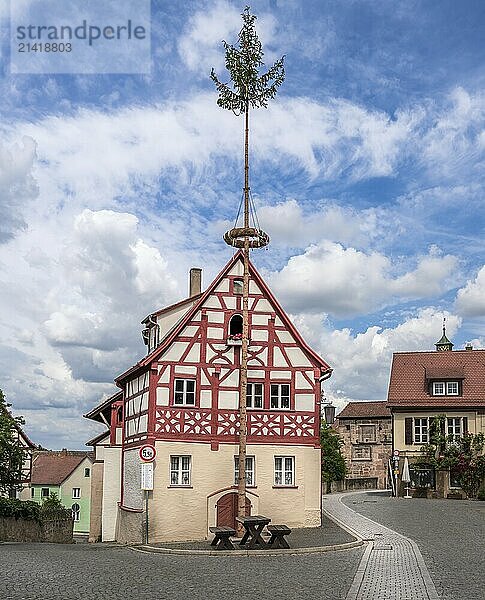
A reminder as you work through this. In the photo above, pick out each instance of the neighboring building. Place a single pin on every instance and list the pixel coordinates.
(23, 441)
(426, 384)
(366, 430)
(184, 397)
(68, 475)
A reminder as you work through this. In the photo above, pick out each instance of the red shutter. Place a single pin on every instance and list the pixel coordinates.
(408, 431)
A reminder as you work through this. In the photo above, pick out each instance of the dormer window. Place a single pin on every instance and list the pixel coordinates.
(235, 330)
(445, 388)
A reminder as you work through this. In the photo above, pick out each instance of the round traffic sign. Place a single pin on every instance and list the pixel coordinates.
(147, 453)
(396, 452)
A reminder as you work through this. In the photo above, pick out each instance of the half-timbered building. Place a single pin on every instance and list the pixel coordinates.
(183, 398)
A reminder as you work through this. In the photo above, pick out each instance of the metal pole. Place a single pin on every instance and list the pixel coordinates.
(146, 517)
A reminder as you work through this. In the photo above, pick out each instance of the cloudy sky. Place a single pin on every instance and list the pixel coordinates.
(367, 171)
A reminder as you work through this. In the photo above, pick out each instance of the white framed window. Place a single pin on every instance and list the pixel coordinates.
(76, 512)
(250, 478)
(445, 388)
(284, 470)
(280, 395)
(44, 493)
(87, 471)
(452, 388)
(76, 492)
(180, 470)
(184, 392)
(254, 395)
(454, 427)
(438, 388)
(421, 430)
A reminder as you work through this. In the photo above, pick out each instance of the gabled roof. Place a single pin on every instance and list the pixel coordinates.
(411, 372)
(52, 468)
(98, 438)
(365, 410)
(171, 307)
(175, 331)
(104, 408)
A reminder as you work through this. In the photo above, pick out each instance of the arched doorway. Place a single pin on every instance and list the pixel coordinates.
(227, 510)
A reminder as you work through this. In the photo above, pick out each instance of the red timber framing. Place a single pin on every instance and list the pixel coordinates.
(198, 350)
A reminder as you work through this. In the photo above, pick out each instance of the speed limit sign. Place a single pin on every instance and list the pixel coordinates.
(147, 453)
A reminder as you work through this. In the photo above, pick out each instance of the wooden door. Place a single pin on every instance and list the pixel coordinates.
(227, 510)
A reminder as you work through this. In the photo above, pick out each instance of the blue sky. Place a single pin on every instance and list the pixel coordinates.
(367, 171)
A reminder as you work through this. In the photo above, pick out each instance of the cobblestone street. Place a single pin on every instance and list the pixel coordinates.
(450, 535)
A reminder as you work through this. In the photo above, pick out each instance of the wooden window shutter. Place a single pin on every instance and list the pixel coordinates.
(465, 424)
(408, 431)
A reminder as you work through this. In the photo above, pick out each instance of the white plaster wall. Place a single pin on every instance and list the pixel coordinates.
(301, 382)
(260, 319)
(133, 496)
(298, 358)
(194, 354)
(163, 395)
(175, 351)
(215, 316)
(205, 398)
(168, 320)
(230, 302)
(259, 335)
(178, 513)
(223, 286)
(216, 333)
(185, 370)
(280, 375)
(279, 359)
(304, 402)
(111, 492)
(228, 399)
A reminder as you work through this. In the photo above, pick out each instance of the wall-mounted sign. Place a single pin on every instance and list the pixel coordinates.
(147, 453)
(146, 476)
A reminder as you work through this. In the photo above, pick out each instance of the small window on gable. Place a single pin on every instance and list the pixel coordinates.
(236, 325)
(238, 287)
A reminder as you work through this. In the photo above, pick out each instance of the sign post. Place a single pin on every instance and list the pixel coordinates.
(395, 465)
(147, 454)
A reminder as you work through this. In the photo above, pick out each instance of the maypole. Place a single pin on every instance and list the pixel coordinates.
(250, 90)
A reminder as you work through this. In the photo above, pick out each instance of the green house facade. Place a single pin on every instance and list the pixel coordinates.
(68, 475)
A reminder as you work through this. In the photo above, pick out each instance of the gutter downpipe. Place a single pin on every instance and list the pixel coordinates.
(321, 379)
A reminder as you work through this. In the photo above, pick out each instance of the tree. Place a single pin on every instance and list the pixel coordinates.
(12, 453)
(249, 90)
(333, 463)
(462, 454)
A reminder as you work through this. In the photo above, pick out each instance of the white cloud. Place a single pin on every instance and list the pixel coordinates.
(200, 45)
(341, 281)
(362, 361)
(17, 185)
(470, 300)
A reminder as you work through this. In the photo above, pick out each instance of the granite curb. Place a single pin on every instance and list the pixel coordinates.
(276, 552)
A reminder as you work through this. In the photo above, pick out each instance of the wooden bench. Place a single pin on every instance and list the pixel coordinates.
(221, 537)
(278, 533)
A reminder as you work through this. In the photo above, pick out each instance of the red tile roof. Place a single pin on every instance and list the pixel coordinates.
(365, 410)
(52, 468)
(411, 372)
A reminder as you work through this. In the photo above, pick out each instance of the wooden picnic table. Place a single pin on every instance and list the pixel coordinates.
(254, 525)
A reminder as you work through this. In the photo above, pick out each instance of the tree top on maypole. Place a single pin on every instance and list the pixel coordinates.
(249, 88)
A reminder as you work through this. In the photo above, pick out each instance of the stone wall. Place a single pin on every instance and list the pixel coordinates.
(129, 529)
(58, 531)
(366, 456)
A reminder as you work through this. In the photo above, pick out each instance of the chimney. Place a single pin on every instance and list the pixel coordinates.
(468, 347)
(195, 282)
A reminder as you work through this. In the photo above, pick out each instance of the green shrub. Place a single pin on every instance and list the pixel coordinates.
(52, 508)
(481, 495)
(28, 510)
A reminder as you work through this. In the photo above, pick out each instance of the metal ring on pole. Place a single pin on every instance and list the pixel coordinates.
(236, 237)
